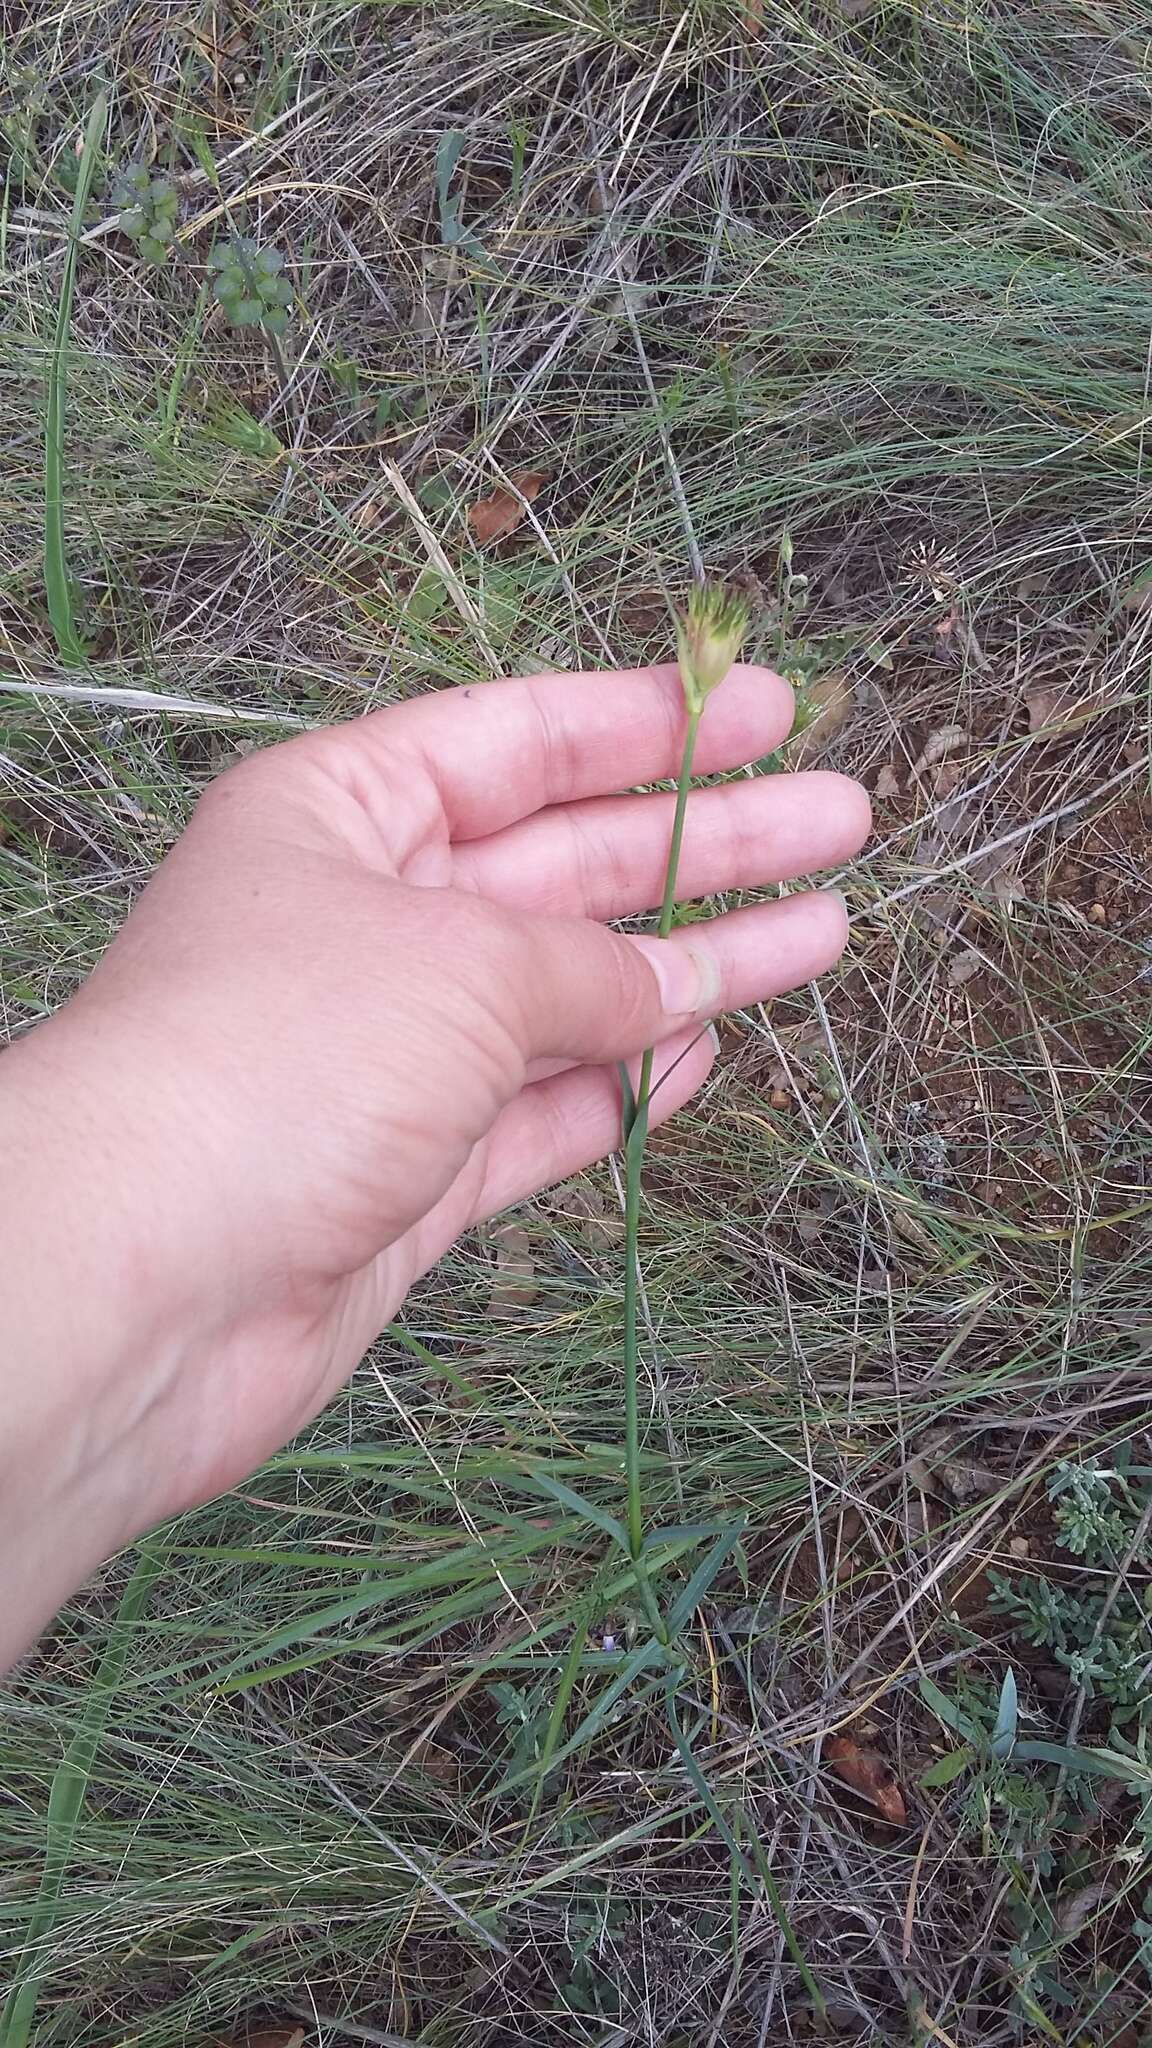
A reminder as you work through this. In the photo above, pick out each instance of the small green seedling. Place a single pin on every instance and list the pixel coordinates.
(249, 285)
(148, 209)
(990, 1743)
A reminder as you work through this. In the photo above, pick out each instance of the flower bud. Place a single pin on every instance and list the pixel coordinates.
(709, 637)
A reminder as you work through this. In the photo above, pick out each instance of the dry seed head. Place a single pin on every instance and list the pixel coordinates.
(709, 637)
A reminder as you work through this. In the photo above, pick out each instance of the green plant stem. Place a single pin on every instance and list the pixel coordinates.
(636, 1140)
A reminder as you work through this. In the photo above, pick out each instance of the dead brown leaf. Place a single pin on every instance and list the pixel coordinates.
(499, 514)
(945, 740)
(941, 1460)
(1068, 702)
(1047, 706)
(1077, 1907)
(946, 780)
(797, 1044)
(867, 1773)
(514, 1286)
(1002, 880)
(367, 514)
(887, 783)
(824, 706)
(437, 1762)
(580, 1203)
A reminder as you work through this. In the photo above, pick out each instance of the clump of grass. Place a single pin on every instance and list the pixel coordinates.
(66, 1800)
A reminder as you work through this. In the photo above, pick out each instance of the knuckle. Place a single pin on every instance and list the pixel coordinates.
(630, 985)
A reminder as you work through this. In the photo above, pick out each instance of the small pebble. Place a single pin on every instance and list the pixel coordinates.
(1020, 1546)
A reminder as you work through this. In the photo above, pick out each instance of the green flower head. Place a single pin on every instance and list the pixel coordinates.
(709, 637)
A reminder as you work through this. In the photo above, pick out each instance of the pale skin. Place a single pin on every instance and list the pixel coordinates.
(369, 1000)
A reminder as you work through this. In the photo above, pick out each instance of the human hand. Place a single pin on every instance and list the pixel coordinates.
(366, 1002)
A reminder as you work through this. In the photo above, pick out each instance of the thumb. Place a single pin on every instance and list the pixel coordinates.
(586, 993)
(581, 992)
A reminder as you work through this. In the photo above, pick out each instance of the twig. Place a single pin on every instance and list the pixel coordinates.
(148, 700)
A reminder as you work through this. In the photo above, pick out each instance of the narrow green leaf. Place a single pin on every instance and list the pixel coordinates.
(435, 1363)
(56, 580)
(947, 1768)
(1103, 1763)
(408, 1636)
(952, 1716)
(776, 1901)
(1004, 1732)
(461, 1569)
(555, 1726)
(638, 1660)
(567, 1497)
(702, 1788)
(680, 1534)
(706, 1571)
(448, 153)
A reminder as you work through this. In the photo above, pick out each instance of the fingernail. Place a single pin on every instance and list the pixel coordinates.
(839, 897)
(688, 977)
(713, 1037)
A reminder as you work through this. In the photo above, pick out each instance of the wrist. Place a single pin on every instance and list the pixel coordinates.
(85, 1347)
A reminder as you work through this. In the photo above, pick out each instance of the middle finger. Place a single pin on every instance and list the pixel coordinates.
(606, 857)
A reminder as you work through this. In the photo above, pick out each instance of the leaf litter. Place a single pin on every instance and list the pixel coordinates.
(499, 514)
(869, 1774)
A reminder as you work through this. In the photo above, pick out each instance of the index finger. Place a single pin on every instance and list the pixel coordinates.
(499, 751)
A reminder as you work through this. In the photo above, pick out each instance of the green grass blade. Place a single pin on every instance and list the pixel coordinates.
(66, 1798)
(1102, 1763)
(776, 1901)
(567, 1497)
(952, 1716)
(555, 1726)
(638, 1660)
(704, 1575)
(702, 1788)
(1004, 1732)
(56, 581)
